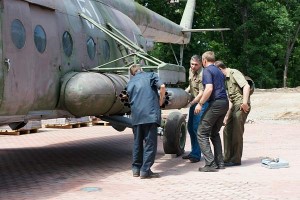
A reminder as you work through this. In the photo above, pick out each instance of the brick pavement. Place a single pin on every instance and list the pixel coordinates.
(94, 163)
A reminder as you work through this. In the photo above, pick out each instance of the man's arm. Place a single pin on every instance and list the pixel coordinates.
(187, 89)
(206, 94)
(228, 112)
(246, 94)
(199, 95)
(242, 82)
(197, 98)
(162, 92)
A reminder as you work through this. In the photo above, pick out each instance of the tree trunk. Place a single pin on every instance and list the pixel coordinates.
(290, 47)
(244, 13)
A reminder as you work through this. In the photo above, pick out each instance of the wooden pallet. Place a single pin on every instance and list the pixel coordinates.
(100, 123)
(68, 126)
(18, 132)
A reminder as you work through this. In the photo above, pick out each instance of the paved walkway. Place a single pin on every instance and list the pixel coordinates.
(94, 163)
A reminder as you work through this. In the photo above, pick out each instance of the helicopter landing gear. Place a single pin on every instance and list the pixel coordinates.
(174, 135)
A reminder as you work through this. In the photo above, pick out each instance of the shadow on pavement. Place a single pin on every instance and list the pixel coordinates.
(46, 171)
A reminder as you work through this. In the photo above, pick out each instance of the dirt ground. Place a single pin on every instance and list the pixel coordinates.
(275, 104)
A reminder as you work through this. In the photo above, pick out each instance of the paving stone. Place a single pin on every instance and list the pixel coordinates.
(57, 164)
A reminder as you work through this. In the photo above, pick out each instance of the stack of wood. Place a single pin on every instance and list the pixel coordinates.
(31, 127)
(67, 123)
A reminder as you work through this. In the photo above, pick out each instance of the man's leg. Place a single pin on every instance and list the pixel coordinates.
(203, 134)
(227, 137)
(137, 153)
(193, 124)
(212, 119)
(239, 120)
(220, 110)
(150, 148)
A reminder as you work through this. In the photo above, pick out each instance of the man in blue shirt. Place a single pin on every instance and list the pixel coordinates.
(145, 105)
(215, 93)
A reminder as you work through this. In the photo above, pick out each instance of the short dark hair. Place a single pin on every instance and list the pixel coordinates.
(220, 64)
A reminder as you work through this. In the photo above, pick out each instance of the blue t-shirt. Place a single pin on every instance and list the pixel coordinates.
(213, 75)
(144, 98)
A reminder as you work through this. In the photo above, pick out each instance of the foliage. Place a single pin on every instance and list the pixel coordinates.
(261, 33)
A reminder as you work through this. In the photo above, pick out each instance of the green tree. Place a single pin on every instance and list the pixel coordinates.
(263, 41)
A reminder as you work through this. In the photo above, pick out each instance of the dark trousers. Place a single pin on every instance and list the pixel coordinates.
(209, 129)
(233, 134)
(144, 155)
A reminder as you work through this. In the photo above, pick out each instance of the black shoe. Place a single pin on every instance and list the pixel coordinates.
(194, 160)
(221, 166)
(186, 157)
(136, 174)
(231, 164)
(151, 175)
(207, 168)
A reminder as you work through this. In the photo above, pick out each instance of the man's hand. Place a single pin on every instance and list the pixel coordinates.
(245, 107)
(225, 120)
(197, 109)
(162, 92)
(161, 101)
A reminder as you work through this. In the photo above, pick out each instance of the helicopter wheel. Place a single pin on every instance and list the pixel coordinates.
(174, 136)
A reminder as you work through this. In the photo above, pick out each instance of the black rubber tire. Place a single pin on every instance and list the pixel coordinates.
(17, 125)
(174, 134)
(118, 127)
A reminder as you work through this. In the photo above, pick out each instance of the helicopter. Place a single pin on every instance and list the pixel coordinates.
(71, 58)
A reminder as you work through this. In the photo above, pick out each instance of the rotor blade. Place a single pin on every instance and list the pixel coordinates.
(205, 29)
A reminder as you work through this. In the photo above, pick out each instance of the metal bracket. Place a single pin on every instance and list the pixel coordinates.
(7, 62)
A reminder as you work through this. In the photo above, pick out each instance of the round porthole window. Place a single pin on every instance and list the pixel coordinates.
(91, 48)
(106, 50)
(67, 43)
(40, 38)
(18, 34)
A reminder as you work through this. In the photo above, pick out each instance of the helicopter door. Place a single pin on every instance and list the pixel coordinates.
(46, 56)
(17, 67)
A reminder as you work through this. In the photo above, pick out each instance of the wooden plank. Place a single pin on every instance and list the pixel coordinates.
(68, 126)
(9, 132)
(17, 132)
(28, 131)
(100, 123)
(86, 124)
(34, 130)
(63, 126)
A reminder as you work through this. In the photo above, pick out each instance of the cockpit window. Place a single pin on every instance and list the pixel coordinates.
(40, 38)
(67, 43)
(18, 34)
(91, 48)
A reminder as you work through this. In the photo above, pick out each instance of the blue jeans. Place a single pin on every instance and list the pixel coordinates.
(144, 148)
(193, 123)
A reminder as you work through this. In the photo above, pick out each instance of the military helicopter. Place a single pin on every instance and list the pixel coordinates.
(70, 59)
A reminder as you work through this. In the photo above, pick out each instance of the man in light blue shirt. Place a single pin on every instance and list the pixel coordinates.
(145, 105)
